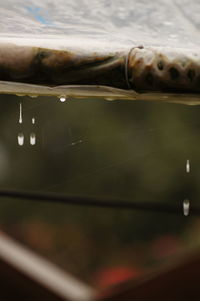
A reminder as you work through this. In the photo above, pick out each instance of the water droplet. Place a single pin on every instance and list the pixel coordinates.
(32, 139)
(109, 98)
(62, 98)
(20, 139)
(186, 207)
(20, 113)
(33, 120)
(188, 166)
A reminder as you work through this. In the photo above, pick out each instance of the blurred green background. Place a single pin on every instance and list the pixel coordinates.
(89, 147)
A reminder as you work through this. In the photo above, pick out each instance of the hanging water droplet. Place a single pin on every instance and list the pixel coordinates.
(20, 139)
(32, 139)
(33, 120)
(20, 112)
(62, 98)
(188, 166)
(186, 207)
(109, 98)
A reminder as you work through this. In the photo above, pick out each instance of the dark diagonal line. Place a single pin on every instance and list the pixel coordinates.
(98, 202)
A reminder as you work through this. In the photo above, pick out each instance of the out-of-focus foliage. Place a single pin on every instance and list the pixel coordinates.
(130, 150)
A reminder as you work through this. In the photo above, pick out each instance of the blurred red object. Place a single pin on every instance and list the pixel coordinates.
(116, 275)
(165, 246)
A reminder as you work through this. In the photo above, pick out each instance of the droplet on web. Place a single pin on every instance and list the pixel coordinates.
(32, 139)
(20, 139)
(20, 112)
(186, 207)
(188, 166)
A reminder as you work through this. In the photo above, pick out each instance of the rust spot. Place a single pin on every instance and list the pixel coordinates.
(56, 59)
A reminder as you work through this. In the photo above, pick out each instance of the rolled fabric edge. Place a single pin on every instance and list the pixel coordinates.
(164, 69)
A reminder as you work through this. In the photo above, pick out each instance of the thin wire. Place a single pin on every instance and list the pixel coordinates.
(127, 63)
(97, 202)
